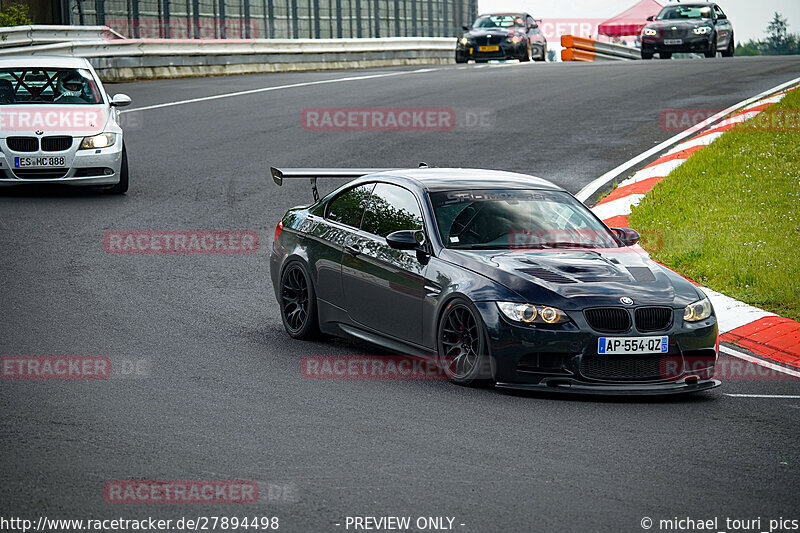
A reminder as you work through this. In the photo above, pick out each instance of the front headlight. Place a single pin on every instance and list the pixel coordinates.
(702, 30)
(464, 41)
(532, 314)
(650, 32)
(104, 140)
(699, 310)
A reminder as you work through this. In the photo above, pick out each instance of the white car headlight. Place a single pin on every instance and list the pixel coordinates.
(700, 310)
(532, 314)
(702, 30)
(464, 41)
(104, 140)
(650, 32)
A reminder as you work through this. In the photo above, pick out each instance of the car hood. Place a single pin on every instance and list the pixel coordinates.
(575, 279)
(484, 32)
(678, 24)
(53, 119)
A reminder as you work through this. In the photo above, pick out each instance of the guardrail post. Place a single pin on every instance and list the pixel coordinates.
(359, 31)
(338, 19)
(315, 15)
(100, 12)
(246, 10)
(196, 18)
(222, 29)
(269, 11)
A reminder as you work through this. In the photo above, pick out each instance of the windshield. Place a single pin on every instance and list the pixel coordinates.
(684, 13)
(28, 85)
(498, 21)
(505, 219)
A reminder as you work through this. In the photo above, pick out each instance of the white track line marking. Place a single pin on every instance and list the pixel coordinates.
(278, 88)
(757, 361)
(783, 396)
(595, 185)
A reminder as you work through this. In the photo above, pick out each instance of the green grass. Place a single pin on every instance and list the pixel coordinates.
(730, 215)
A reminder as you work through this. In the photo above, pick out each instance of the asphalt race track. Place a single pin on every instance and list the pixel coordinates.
(219, 394)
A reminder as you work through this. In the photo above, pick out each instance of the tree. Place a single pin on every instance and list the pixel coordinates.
(778, 42)
(14, 15)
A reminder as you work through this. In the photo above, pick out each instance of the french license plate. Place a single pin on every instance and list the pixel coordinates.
(672, 42)
(492, 48)
(45, 161)
(632, 345)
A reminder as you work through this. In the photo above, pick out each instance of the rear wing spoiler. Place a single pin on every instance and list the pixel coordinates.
(313, 174)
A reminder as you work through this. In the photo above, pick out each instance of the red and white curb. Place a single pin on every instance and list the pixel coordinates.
(763, 333)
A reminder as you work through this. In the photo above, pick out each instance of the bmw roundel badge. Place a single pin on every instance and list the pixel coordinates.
(626, 301)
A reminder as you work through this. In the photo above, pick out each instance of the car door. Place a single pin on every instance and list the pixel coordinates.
(383, 287)
(723, 27)
(343, 216)
(534, 33)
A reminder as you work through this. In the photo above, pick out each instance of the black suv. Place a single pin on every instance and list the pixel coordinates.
(695, 27)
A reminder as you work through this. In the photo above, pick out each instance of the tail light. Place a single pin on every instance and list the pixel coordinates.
(278, 229)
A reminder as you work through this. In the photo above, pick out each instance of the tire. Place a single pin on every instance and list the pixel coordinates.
(460, 58)
(665, 55)
(461, 345)
(122, 186)
(544, 55)
(730, 51)
(526, 54)
(298, 303)
(647, 55)
(711, 53)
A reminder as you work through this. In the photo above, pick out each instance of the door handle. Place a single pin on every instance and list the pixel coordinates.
(353, 249)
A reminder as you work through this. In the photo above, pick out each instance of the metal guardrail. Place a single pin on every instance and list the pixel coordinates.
(580, 49)
(41, 34)
(116, 58)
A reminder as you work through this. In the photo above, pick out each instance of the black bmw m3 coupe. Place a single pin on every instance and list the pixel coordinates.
(504, 278)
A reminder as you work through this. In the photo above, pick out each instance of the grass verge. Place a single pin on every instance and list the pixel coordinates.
(730, 215)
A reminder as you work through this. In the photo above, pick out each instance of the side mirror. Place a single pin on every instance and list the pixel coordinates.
(120, 100)
(534, 26)
(406, 239)
(650, 18)
(627, 236)
(465, 28)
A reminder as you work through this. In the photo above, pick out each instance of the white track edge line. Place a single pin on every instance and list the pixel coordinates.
(278, 87)
(758, 361)
(770, 396)
(590, 189)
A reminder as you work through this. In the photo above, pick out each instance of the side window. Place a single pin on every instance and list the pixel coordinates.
(391, 208)
(348, 207)
(720, 13)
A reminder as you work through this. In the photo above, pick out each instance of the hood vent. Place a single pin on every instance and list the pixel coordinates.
(642, 274)
(547, 275)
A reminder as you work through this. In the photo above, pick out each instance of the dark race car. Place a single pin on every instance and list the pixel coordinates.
(502, 277)
(700, 27)
(502, 36)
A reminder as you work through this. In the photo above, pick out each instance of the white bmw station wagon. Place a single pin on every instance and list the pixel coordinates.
(58, 125)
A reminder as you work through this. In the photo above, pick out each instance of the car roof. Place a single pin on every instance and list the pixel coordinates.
(691, 4)
(448, 179)
(43, 62)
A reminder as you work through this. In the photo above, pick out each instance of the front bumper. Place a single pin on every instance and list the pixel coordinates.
(505, 50)
(695, 43)
(565, 358)
(81, 167)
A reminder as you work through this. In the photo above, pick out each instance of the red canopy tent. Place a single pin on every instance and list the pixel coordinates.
(630, 21)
